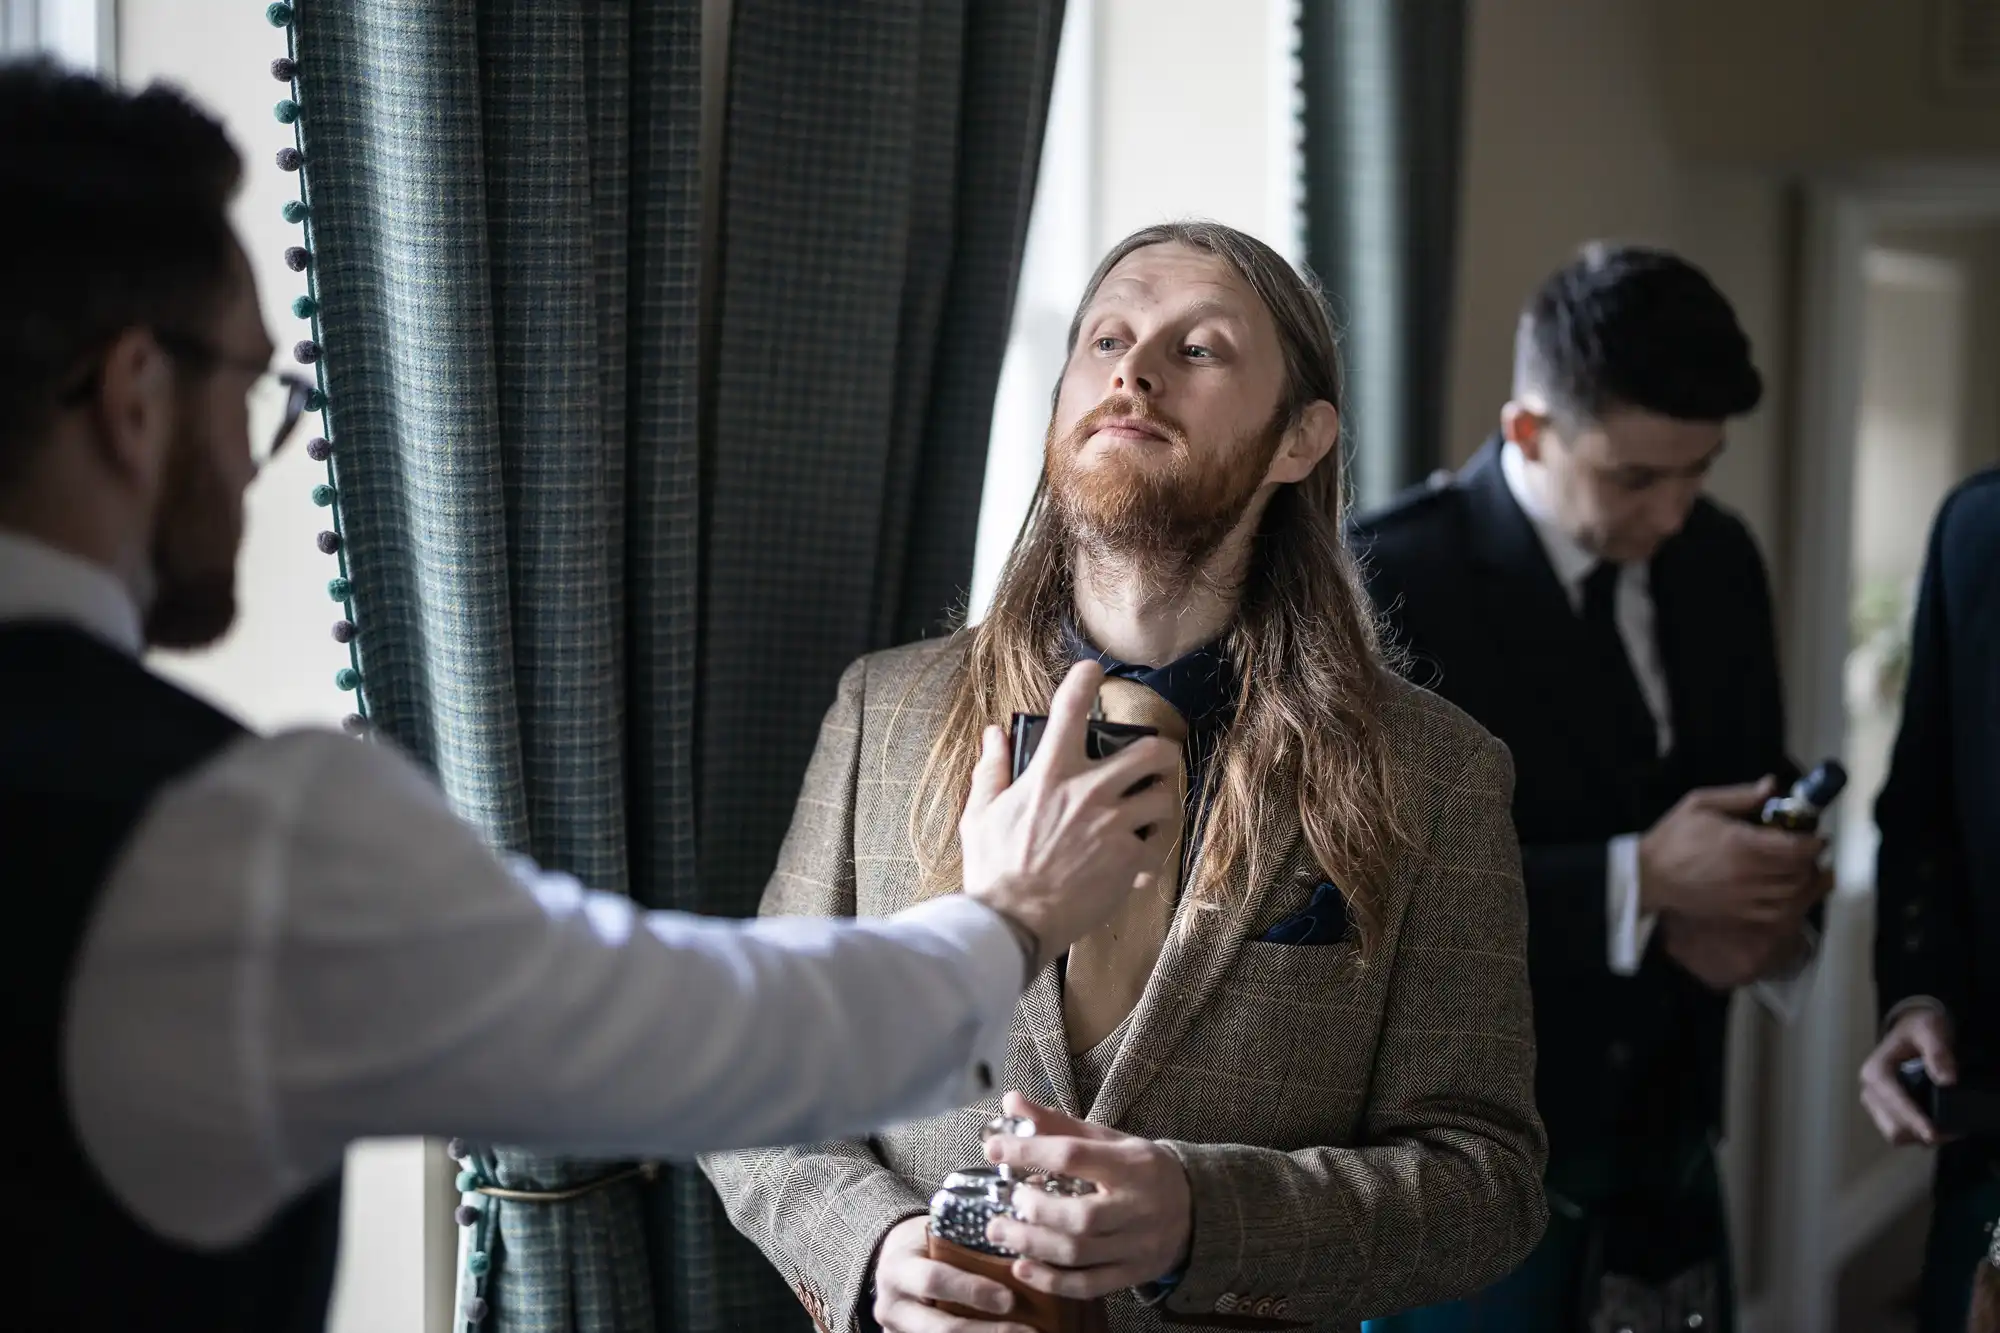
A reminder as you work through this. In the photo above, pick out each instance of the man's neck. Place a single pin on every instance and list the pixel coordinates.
(1136, 619)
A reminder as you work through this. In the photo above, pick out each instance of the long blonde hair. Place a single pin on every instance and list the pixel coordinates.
(1308, 658)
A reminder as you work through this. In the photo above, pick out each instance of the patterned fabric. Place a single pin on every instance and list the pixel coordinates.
(1360, 1139)
(589, 584)
(506, 331)
(881, 161)
(1088, 1069)
(468, 170)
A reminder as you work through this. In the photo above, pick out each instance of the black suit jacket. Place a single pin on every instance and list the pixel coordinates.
(87, 738)
(1627, 1067)
(1937, 925)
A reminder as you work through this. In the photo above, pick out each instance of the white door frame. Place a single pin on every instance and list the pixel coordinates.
(79, 33)
(1816, 1224)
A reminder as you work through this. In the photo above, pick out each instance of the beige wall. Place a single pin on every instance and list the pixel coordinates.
(1913, 392)
(1815, 82)
(1564, 141)
(1567, 140)
(276, 667)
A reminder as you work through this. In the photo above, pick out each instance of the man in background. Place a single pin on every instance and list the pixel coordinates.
(1573, 590)
(1937, 891)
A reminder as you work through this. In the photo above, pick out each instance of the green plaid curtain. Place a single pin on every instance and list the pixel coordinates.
(609, 627)
(1383, 122)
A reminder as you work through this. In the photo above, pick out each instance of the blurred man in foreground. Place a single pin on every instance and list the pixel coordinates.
(234, 955)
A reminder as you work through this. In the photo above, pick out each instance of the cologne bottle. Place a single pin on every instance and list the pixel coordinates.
(1799, 810)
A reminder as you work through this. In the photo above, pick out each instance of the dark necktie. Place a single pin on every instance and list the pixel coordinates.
(1634, 732)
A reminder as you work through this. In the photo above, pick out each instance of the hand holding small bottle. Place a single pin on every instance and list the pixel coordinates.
(1733, 895)
(1706, 861)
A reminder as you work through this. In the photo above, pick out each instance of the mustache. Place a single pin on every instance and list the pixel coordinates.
(1127, 407)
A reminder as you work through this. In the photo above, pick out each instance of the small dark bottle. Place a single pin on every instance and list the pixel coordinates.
(1798, 811)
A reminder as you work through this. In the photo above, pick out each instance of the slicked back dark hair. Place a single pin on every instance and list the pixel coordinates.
(115, 216)
(1629, 326)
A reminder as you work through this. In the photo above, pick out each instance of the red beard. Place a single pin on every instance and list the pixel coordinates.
(1170, 509)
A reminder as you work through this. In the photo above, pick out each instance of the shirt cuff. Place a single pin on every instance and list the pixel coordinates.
(1901, 1007)
(1628, 931)
(1785, 995)
(992, 953)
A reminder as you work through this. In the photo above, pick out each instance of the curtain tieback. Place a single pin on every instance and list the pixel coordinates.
(646, 1171)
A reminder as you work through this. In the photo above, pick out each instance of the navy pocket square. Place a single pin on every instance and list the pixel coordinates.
(1324, 920)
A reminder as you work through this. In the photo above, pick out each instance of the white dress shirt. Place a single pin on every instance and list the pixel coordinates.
(301, 945)
(1629, 930)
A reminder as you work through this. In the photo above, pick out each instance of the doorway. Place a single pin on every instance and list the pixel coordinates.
(1897, 401)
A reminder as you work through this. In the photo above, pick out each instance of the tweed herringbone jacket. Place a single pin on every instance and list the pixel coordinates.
(1360, 1139)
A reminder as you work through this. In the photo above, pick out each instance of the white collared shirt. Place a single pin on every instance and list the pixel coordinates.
(1637, 620)
(302, 946)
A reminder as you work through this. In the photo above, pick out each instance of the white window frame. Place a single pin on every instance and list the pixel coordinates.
(1056, 261)
(79, 33)
(1064, 244)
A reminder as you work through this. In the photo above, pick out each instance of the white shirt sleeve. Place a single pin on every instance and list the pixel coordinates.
(1910, 1005)
(1628, 931)
(303, 946)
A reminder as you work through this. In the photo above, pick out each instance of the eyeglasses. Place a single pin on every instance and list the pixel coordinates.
(277, 404)
(276, 400)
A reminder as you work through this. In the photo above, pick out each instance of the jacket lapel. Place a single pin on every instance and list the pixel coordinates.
(1200, 950)
(1528, 610)
(1048, 1044)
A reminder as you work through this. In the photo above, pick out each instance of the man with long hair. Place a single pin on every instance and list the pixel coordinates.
(1298, 1068)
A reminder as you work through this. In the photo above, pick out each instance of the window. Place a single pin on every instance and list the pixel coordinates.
(1161, 109)
(76, 32)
